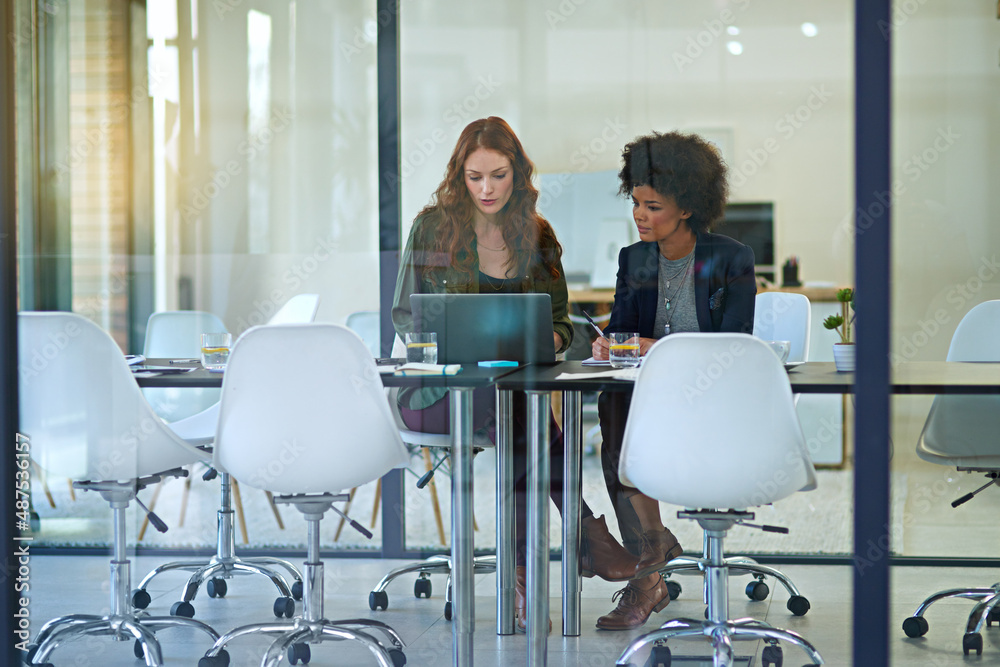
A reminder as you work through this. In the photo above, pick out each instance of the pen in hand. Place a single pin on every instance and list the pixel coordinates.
(592, 323)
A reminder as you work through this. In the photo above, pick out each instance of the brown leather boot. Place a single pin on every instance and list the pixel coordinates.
(658, 548)
(521, 600)
(601, 554)
(635, 604)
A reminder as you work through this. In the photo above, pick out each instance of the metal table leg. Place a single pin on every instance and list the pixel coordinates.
(572, 480)
(505, 515)
(537, 589)
(463, 600)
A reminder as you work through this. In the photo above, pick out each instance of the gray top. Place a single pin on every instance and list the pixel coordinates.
(676, 278)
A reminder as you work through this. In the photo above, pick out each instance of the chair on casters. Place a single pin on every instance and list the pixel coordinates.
(716, 467)
(177, 334)
(87, 419)
(307, 432)
(777, 316)
(961, 431)
(437, 564)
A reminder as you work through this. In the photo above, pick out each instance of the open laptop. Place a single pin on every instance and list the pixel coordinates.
(487, 327)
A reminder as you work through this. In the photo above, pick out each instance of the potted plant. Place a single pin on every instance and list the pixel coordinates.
(843, 352)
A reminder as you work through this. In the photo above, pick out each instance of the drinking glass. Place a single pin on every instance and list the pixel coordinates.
(421, 348)
(215, 350)
(624, 350)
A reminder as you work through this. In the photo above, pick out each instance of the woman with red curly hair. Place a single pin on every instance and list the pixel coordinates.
(481, 233)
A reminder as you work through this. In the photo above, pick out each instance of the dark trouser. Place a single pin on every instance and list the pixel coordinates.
(436, 419)
(612, 408)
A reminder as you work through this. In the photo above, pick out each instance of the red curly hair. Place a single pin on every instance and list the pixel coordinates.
(529, 235)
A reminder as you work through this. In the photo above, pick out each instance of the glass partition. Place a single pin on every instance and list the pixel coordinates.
(770, 84)
(946, 135)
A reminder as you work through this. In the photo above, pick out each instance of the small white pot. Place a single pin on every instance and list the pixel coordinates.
(843, 357)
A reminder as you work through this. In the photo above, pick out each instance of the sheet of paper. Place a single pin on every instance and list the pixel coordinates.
(616, 373)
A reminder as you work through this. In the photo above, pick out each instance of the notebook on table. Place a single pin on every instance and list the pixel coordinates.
(486, 327)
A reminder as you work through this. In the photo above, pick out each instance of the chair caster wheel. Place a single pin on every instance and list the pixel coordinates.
(993, 616)
(915, 626)
(798, 605)
(220, 660)
(972, 641)
(297, 589)
(673, 589)
(422, 587)
(757, 590)
(140, 598)
(659, 656)
(378, 599)
(284, 607)
(447, 610)
(29, 655)
(217, 588)
(299, 653)
(397, 656)
(185, 609)
(771, 655)
(137, 649)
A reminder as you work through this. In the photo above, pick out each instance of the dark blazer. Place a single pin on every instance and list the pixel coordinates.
(724, 289)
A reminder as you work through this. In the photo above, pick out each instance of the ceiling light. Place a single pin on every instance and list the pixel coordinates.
(809, 29)
(735, 48)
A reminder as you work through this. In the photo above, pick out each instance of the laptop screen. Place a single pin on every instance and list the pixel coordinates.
(487, 327)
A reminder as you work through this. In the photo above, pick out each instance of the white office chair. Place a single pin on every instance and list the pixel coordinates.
(784, 316)
(306, 432)
(378, 598)
(176, 334)
(961, 431)
(214, 572)
(715, 447)
(300, 308)
(87, 419)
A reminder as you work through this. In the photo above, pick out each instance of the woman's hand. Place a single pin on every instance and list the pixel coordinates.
(558, 340)
(644, 345)
(599, 348)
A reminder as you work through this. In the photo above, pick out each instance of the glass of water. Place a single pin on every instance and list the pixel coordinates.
(421, 348)
(215, 350)
(624, 350)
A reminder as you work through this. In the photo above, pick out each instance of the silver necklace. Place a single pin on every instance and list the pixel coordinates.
(667, 297)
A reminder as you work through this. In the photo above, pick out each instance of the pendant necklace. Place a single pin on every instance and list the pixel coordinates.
(667, 297)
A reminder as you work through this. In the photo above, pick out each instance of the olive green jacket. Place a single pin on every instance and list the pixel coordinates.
(423, 271)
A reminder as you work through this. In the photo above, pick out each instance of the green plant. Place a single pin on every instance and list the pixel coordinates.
(842, 323)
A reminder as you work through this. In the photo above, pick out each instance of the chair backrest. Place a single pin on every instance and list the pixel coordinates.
(300, 309)
(784, 316)
(962, 430)
(290, 424)
(177, 334)
(712, 425)
(977, 335)
(82, 408)
(367, 324)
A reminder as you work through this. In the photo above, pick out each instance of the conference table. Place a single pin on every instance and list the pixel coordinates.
(461, 387)
(935, 377)
(537, 382)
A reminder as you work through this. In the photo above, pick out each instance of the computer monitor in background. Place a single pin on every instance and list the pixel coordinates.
(752, 223)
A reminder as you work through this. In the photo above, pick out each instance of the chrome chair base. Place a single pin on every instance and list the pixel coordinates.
(440, 564)
(295, 636)
(122, 623)
(985, 612)
(718, 627)
(225, 564)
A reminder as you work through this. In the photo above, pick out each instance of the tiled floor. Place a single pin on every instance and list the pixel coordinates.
(78, 584)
